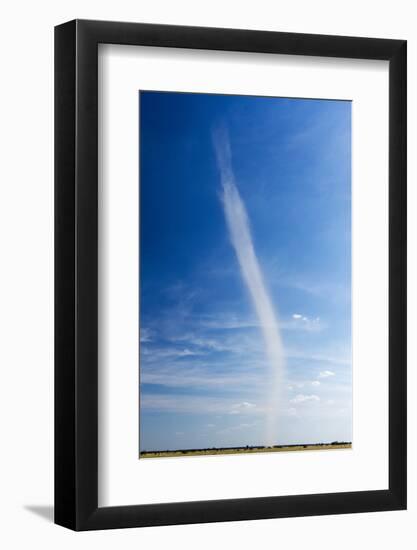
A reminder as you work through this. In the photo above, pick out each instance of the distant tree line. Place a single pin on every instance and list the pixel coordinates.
(247, 447)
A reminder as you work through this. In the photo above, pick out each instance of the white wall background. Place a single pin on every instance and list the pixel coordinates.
(26, 272)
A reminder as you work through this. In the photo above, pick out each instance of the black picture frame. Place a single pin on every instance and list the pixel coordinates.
(76, 274)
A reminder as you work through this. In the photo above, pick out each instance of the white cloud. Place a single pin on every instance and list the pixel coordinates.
(156, 354)
(301, 385)
(337, 360)
(239, 408)
(199, 375)
(301, 398)
(226, 322)
(232, 342)
(186, 352)
(197, 405)
(326, 374)
(232, 322)
(239, 347)
(145, 335)
(241, 240)
(303, 322)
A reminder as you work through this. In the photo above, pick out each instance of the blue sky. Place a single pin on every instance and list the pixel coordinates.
(203, 367)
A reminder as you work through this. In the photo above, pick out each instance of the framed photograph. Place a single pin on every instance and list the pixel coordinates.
(230, 252)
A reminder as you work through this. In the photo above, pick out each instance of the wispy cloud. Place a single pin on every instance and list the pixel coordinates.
(197, 404)
(240, 408)
(302, 384)
(318, 357)
(145, 335)
(323, 288)
(226, 322)
(232, 360)
(233, 322)
(241, 239)
(303, 323)
(326, 373)
(203, 377)
(242, 342)
(301, 398)
(156, 354)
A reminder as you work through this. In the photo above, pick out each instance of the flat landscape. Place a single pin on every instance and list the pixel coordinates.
(246, 450)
